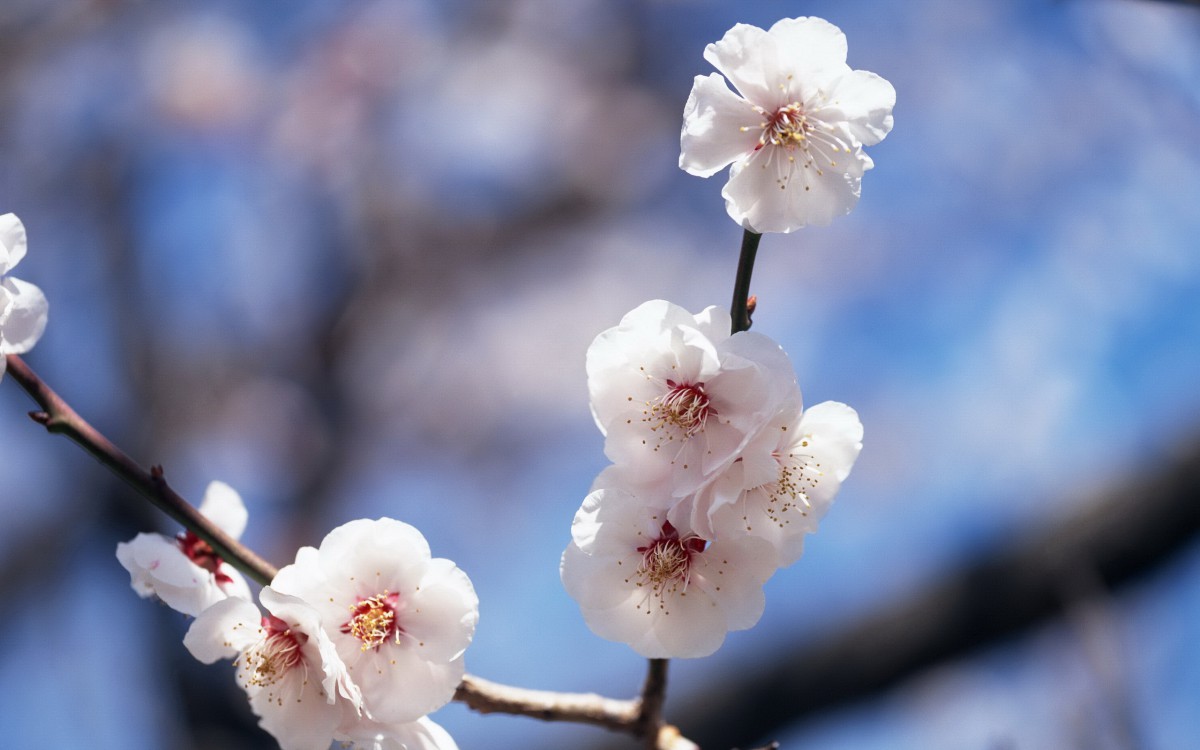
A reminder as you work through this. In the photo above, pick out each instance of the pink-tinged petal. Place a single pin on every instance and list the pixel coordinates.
(422, 734)
(597, 581)
(236, 585)
(399, 686)
(223, 506)
(770, 193)
(748, 57)
(611, 522)
(296, 712)
(157, 567)
(12, 242)
(718, 127)
(732, 572)
(441, 616)
(224, 630)
(695, 627)
(23, 316)
(864, 101)
(808, 44)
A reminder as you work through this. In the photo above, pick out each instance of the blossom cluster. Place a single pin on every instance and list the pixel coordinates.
(718, 473)
(361, 637)
(23, 307)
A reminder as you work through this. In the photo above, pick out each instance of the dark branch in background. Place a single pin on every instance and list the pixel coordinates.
(1125, 532)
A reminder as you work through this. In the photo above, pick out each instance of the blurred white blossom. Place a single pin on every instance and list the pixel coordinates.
(23, 307)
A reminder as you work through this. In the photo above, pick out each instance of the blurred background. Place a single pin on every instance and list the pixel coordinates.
(348, 256)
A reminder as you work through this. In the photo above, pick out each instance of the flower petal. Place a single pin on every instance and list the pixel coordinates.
(808, 44)
(718, 127)
(747, 56)
(770, 193)
(864, 101)
(23, 314)
(442, 614)
(12, 242)
(224, 630)
(223, 506)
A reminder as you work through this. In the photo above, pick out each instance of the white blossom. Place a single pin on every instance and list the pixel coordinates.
(794, 132)
(297, 684)
(678, 397)
(400, 619)
(23, 307)
(664, 590)
(785, 480)
(185, 572)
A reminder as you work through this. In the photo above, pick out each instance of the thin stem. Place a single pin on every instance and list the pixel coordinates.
(741, 309)
(488, 697)
(58, 417)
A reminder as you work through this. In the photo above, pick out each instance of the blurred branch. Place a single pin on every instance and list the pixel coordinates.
(1127, 531)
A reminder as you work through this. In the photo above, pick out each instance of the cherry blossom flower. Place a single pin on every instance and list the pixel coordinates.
(23, 307)
(794, 132)
(785, 480)
(664, 590)
(399, 618)
(297, 684)
(678, 397)
(185, 572)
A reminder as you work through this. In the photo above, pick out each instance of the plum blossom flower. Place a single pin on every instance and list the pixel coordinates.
(185, 572)
(678, 397)
(297, 684)
(23, 307)
(785, 480)
(795, 130)
(664, 590)
(399, 618)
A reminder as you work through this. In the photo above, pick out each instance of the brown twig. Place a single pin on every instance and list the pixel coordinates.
(654, 693)
(58, 417)
(741, 308)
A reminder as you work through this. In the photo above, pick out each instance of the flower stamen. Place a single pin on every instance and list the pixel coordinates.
(685, 407)
(373, 621)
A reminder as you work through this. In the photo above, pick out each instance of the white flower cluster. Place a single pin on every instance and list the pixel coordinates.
(718, 473)
(23, 307)
(362, 636)
(795, 134)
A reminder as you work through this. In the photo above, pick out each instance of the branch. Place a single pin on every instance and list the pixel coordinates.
(1130, 529)
(743, 306)
(640, 717)
(58, 417)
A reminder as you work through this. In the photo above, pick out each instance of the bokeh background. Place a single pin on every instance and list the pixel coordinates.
(348, 256)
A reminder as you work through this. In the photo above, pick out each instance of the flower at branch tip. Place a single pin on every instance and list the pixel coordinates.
(185, 572)
(664, 590)
(795, 130)
(677, 397)
(400, 619)
(297, 684)
(785, 480)
(23, 307)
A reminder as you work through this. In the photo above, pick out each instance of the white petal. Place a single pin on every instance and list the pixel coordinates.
(732, 572)
(442, 614)
(597, 581)
(23, 314)
(224, 507)
(808, 44)
(769, 193)
(319, 651)
(718, 127)
(748, 58)
(12, 242)
(422, 734)
(864, 101)
(296, 713)
(399, 686)
(157, 565)
(612, 522)
(224, 630)
(386, 547)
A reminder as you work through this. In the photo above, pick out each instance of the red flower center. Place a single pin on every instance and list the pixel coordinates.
(373, 621)
(201, 552)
